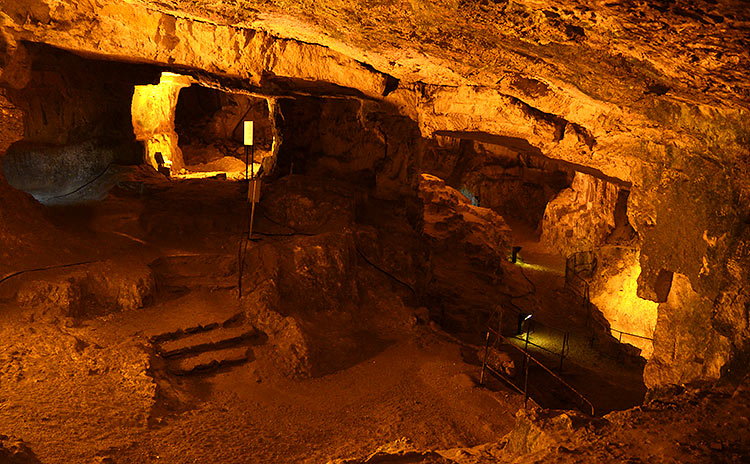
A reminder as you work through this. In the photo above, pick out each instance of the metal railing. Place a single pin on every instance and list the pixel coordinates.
(531, 324)
(585, 406)
(577, 266)
(619, 338)
(564, 336)
(581, 262)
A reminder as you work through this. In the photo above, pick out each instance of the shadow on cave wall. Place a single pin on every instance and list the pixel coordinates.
(77, 123)
(515, 184)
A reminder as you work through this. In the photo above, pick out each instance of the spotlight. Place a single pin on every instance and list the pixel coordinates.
(528, 316)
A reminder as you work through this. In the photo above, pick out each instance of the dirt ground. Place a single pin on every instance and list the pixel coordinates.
(83, 383)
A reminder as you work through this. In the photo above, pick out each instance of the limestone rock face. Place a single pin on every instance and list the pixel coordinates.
(13, 451)
(12, 122)
(68, 99)
(686, 346)
(352, 139)
(614, 293)
(209, 124)
(581, 217)
(87, 291)
(317, 276)
(469, 265)
(141, 33)
(291, 354)
(53, 171)
(153, 111)
(449, 216)
(651, 94)
(515, 185)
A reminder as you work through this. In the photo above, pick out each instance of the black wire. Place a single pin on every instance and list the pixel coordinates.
(384, 271)
(58, 266)
(87, 183)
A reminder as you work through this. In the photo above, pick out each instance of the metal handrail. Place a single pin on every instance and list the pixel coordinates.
(532, 358)
(573, 274)
(565, 336)
(630, 335)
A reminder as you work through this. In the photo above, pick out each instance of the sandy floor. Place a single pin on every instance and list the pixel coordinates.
(92, 390)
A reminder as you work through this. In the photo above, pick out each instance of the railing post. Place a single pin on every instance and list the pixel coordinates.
(562, 350)
(484, 363)
(526, 381)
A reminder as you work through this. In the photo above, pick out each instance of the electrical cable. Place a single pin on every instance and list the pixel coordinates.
(87, 183)
(58, 266)
(384, 271)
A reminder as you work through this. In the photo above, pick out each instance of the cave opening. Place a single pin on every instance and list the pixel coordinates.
(515, 184)
(77, 125)
(209, 126)
(485, 197)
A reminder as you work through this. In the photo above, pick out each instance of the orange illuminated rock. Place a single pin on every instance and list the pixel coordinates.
(153, 111)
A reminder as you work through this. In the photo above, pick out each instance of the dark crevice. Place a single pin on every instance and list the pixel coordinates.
(522, 145)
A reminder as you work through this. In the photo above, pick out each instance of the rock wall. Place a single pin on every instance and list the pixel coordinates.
(69, 99)
(153, 110)
(209, 123)
(27, 239)
(138, 32)
(470, 274)
(515, 185)
(686, 347)
(76, 118)
(581, 217)
(614, 291)
(359, 140)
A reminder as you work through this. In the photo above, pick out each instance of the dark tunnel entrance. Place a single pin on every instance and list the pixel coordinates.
(77, 125)
(209, 126)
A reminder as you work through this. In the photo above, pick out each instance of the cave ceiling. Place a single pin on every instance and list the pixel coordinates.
(614, 51)
(611, 85)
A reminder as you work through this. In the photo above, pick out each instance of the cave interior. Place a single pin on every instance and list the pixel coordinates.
(525, 271)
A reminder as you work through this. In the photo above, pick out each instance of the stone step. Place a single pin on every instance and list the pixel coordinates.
(234, 320)
(211, 360)
(209, 340)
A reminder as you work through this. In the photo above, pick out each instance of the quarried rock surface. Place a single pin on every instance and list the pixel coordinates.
(581, 217)
(687, 347)
(86, 291)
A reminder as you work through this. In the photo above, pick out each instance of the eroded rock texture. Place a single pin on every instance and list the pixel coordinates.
(654, 95)
(514, 184)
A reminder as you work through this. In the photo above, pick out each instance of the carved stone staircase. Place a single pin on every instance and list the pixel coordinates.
(207, 348)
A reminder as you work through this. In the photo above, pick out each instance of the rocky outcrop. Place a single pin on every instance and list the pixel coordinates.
(614, 292)
(14, 451)
(86, 291)
(51, 172)
(515, 185)
(449, 216)
(686, 346)
(27, 238)
(582, 217)
(470, 273)
(358, 140)
(153, 111)
(209, 123)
